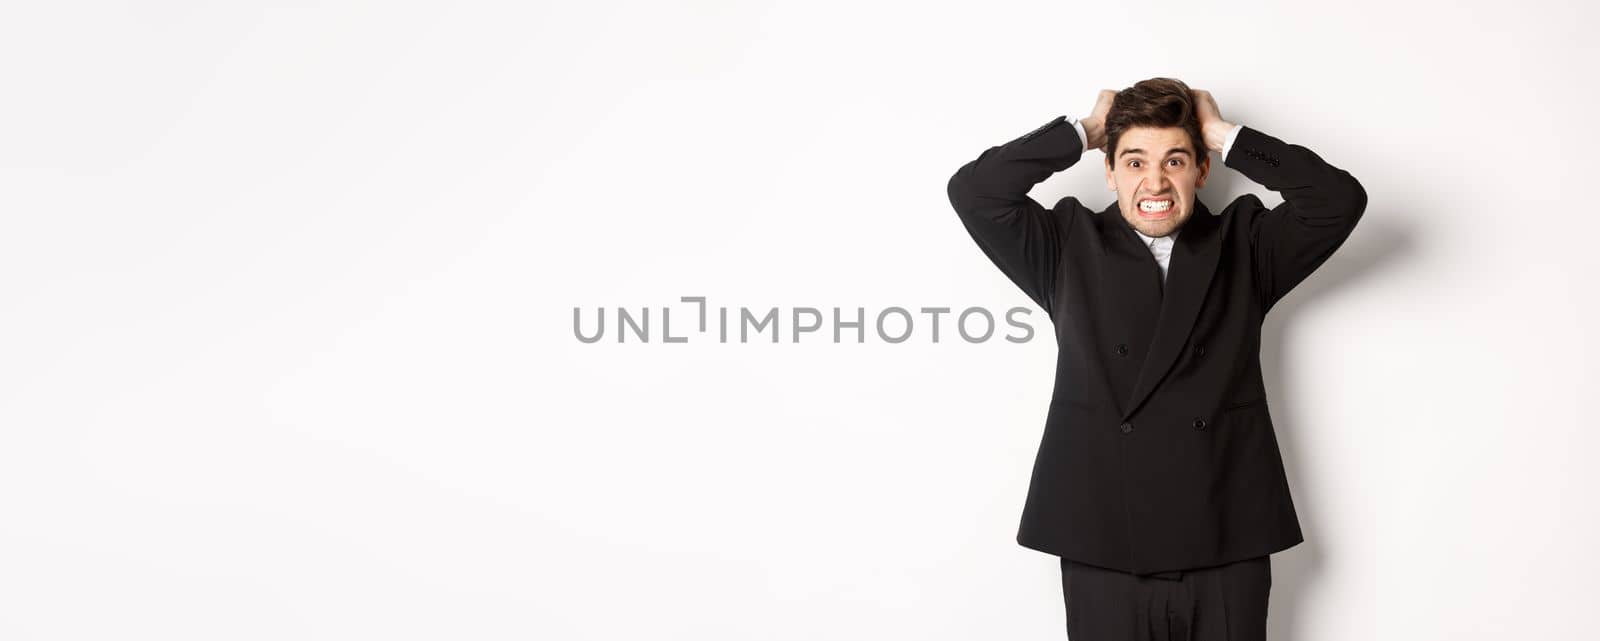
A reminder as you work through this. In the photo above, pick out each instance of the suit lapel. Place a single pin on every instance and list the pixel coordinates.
(1129, 302)
(1189, 272)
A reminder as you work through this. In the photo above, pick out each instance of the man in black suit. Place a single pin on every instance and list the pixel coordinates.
(1158, 479)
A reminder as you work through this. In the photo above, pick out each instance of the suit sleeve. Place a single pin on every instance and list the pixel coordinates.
(1020, 236)
(1321, 205)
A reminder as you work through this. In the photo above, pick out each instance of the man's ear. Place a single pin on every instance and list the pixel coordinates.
(1205, 171)
(1111, 180)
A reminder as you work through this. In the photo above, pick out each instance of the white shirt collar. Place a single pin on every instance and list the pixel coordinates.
(1150, 241)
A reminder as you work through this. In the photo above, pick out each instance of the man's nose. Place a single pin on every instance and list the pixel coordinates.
(1156, 181)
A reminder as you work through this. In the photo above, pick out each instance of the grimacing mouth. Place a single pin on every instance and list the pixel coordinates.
(1175, 206)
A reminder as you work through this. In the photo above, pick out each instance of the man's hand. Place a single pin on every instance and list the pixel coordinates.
(1094, 126)
(1212, 127)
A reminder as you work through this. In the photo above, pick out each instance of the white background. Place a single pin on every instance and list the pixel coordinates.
(288, 288)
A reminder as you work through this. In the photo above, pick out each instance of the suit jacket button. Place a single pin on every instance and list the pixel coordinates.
(1122, 349)
(1199, 350)
(1127, 427)
(1199, 423)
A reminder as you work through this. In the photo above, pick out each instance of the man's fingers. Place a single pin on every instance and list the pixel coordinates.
(1102, 103)
(1205, 107)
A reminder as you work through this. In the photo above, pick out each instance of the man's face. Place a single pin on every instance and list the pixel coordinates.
(1156, 164)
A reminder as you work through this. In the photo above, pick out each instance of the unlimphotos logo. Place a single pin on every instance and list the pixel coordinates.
(890, 325)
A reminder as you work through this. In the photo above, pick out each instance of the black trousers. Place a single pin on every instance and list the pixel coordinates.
(1221, 603)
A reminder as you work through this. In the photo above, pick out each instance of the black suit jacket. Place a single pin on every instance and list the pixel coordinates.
(1158, 451)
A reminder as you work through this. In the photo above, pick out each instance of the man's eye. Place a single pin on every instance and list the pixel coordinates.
(1133, 163)
(1179, 161)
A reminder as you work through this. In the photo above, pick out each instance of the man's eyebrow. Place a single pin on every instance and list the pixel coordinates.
(1174, 150)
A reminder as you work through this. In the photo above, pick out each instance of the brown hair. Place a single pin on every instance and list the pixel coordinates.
(1157, 102)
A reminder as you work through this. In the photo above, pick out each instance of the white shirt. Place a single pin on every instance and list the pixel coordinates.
(1161, 247)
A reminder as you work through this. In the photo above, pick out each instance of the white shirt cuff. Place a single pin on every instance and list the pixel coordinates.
(1227, 143)
(1078, 126)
